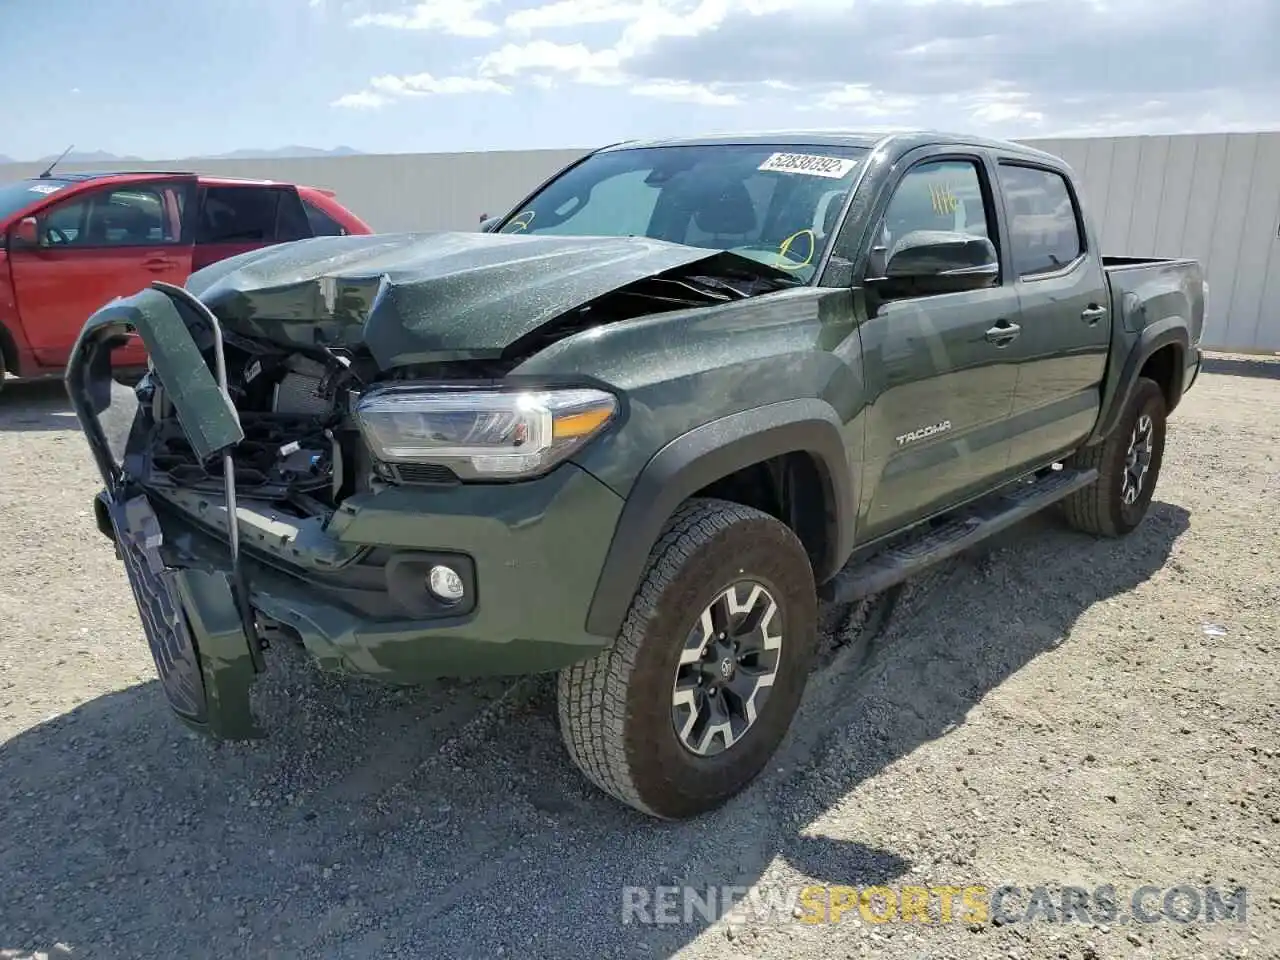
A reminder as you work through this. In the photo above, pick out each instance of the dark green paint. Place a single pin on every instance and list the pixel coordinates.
(422, 298)
(225, 661)
(874, 370)
(207, 416)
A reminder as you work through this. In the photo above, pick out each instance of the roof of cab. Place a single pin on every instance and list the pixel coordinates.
(900, 141)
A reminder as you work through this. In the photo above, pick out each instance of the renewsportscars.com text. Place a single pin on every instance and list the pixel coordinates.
(966, 904)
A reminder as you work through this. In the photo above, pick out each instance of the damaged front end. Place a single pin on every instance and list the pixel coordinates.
(198, 622)
(255, 481)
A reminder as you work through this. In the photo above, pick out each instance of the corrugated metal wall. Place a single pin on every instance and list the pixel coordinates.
(1212, 197)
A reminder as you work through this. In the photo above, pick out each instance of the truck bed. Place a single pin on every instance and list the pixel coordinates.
(1120, 263)
(1145, 290)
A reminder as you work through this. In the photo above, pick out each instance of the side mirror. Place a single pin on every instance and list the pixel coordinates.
(25, 233)
(487, 223)
(939, 261)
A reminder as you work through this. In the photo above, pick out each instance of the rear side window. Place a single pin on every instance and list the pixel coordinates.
(322, 225)
(238, 215)
(291, 218)
(1044, 222)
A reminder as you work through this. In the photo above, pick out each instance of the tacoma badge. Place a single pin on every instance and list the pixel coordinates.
(923, 432)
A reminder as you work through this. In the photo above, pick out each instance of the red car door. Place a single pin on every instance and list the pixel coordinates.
(95, 246)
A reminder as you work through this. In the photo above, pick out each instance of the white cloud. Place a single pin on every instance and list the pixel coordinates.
(860, 101)
(364, 100)
(461, 18)
(388, 88)
(574, 60)
(424, 84)
(686, 92)
(1003, 107)
(573, 13)
(1002, 67)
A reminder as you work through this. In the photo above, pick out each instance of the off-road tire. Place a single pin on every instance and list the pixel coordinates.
(1100, 508)
(615, 709)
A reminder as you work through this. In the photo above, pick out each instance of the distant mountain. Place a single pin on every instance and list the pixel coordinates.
(88, 156)
(291, 151)
(4, 159)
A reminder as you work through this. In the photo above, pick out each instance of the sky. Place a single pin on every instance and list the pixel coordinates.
(164, 79)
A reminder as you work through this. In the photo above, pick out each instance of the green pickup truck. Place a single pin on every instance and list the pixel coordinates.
(639, 431)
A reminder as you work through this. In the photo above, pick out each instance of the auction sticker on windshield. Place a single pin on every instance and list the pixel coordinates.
(815, 166)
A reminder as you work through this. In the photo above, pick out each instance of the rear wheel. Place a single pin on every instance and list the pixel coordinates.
(1128, 464)
(696, 694)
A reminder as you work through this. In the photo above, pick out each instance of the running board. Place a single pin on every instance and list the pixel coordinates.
(952, 534)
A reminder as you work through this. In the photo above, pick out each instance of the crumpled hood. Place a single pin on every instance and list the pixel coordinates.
(416, 298)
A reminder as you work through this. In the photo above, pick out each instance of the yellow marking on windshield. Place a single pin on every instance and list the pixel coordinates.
(519, 222)
(785, 247)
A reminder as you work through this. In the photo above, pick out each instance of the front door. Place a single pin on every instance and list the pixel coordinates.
(1062, 353)
(94, 247)
(937, 428)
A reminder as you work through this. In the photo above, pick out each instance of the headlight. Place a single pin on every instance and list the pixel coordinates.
(482, 434)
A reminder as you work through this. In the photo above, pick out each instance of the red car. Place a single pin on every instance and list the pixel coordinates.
(73, 242)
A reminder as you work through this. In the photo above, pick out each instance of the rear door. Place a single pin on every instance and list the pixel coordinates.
(939, 380)
(1061, 355)
(102, 243)
(237, 218)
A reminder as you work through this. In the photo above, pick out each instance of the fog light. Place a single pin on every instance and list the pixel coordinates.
(445, 583)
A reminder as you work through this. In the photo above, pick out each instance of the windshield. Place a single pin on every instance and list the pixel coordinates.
(777, 204)
(23, 193)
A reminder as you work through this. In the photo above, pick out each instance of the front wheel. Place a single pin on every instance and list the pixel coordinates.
(696, 694)
(1128, 464)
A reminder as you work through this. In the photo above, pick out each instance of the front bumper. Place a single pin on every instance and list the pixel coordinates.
(352, 590)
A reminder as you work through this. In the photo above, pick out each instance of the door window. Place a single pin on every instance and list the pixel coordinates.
(944, 195)
(238, 215)
(940, 195)
(1044, 221)
(130, 216)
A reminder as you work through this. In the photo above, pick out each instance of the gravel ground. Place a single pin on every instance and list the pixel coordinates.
(1049, 710)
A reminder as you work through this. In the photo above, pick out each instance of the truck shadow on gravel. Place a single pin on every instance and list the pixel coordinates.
(1266, 368)
(447, 822)
(38, 407)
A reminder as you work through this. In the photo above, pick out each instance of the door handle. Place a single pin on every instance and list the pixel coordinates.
(1092, 314)
(158, 263)
(1003, 333)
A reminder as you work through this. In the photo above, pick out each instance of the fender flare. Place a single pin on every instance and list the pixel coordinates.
(706, 454)
(1155, 336)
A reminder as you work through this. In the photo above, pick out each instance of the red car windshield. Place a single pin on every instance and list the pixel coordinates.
(20, 195)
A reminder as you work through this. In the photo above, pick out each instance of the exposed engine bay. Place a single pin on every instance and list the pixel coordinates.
(292, 407)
